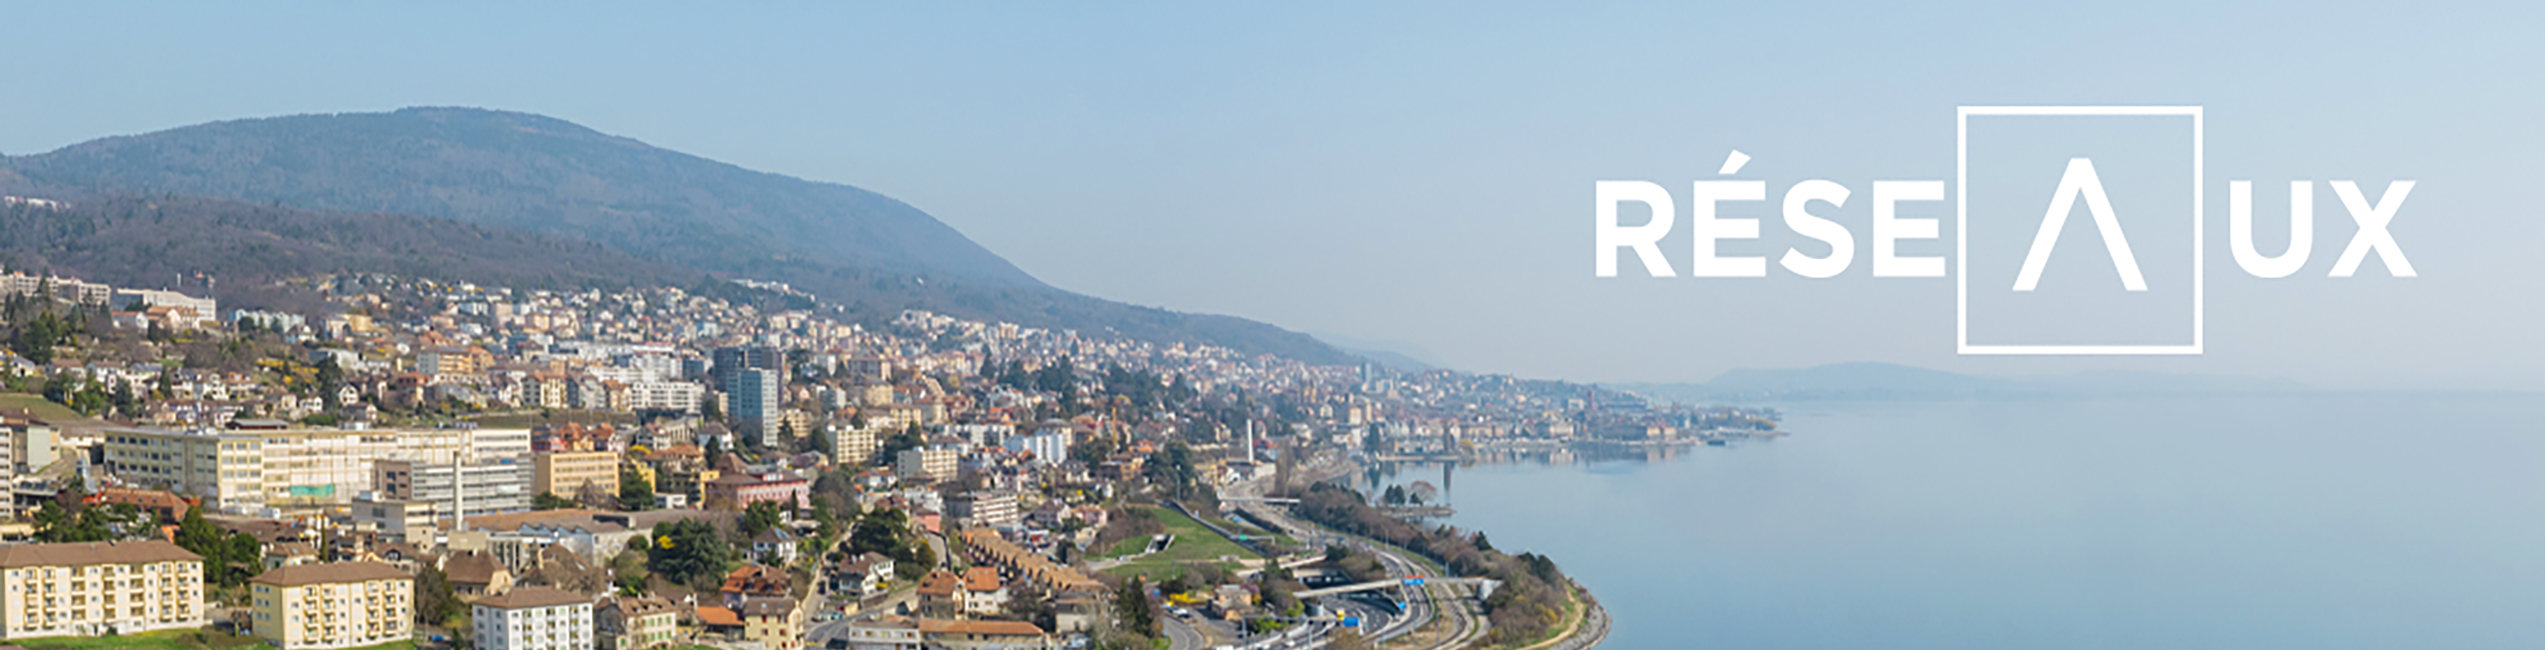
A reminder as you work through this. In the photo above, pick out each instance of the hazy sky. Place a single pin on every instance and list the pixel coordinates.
(1423, 173)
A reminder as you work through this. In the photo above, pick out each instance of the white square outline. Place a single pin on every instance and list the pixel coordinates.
(1961, 231)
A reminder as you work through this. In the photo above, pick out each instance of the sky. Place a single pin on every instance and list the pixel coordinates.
(1422, 174)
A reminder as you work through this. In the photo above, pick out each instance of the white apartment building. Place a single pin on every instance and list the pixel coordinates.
(534, 618)
(266, 472)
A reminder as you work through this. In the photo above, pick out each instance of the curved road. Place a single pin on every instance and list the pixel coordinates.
(1465, 627)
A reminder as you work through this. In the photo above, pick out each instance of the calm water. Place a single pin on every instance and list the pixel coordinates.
(2348, 521)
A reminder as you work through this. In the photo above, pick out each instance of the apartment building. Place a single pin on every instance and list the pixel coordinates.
(674, 396)
(291, 470)
(96, 588)
(33, 443)
(336, 605)
(534, 618)
(989, 509)
(396, 520)
(931, 463)
(775, 623)
(739, 491)
(752, 402)
(635, 622)
(479, 489)
(564, 473)
(227, 469)
(855, 445)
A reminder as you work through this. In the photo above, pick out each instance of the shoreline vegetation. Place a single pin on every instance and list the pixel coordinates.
(1534, 595)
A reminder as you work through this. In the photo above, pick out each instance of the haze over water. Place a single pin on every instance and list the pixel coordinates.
(2323, 521)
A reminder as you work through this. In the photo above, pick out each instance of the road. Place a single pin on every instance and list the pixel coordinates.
(821, 633)
(1181, 635)
(1464, 627)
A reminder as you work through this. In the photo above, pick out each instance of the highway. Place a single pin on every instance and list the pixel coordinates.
(1464, 625)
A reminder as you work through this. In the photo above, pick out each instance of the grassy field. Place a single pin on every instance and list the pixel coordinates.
(1193, 543)
(172, 640)
(43, 408)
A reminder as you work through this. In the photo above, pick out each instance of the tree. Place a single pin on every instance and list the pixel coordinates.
(1132, 607)
(635, 493)
(688, 550)
(435, 601)
(910, 437)
(229, 559)
(759, 517)
(330, 376)
(550, 501)
(628, 568)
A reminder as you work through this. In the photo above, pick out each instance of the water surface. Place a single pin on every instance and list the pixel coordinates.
(2323, 521)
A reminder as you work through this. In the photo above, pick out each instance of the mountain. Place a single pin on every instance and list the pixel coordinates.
(1887, 381)
(164, 242)
(1404, 357)
(531, 173)
(869, 253)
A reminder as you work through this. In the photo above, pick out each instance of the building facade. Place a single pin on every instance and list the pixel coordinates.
(738, 491)
(534, 618)
(482, 489)
(95, 588)
(635, 622)
(931, 463)
(752, 402)
(564, 473)
(336, 605)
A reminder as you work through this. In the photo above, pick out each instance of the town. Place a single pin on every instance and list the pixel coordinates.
(413, 462)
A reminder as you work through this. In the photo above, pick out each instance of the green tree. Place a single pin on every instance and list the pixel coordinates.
(550, 501)
(1133, 609)
(908, 438)
(635, 493)
(759, 517)
(687, 551)
(435, 601)
(628, 569)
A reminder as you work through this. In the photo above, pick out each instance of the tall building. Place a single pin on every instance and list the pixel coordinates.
(753, 403)
(534, 618)
(735, 358)
(1048, 447)
(334, 605)
(487, 488)
(97, 588)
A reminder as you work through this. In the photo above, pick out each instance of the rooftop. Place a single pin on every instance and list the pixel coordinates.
(310, 574)
(528, 597)
(85, 553)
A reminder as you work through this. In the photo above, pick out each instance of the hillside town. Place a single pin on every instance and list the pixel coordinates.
(452, 465)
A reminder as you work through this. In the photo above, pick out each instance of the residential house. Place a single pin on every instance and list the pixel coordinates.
(634, 622)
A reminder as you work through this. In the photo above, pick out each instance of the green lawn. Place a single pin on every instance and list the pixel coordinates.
(1193, 543)
(172, 640)
(44, 409)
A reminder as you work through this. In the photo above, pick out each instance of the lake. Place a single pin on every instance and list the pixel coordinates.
(2317, 521)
